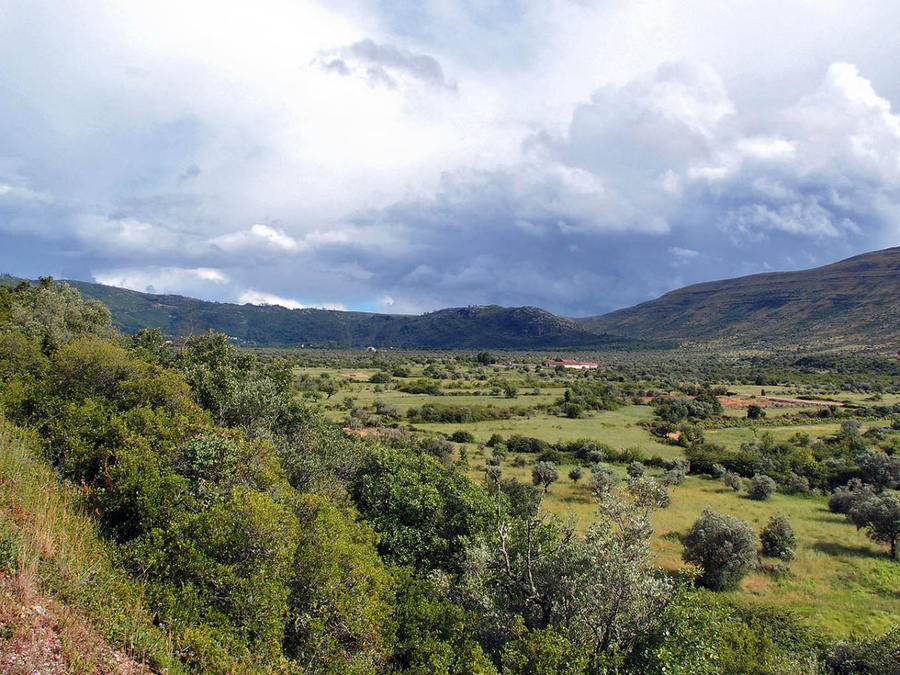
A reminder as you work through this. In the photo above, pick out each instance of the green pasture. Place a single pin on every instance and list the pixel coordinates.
(840, 582)
(617, 428)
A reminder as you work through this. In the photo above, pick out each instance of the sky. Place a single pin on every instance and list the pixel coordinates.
(408, 156)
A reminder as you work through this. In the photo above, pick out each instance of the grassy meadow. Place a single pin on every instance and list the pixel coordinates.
(841, 582)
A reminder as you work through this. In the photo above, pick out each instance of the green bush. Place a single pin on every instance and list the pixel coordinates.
(778, 540)
(723, 547)
(761, 487)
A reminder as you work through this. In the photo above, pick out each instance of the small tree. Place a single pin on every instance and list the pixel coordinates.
(603, 478)
(544, 473)
(718, 471)
(880, 515)
(755, 412)
(635, 469)
(575, 473)
(724, 548)
(879, 469)
(761, 487)
(778, 540)
(733, 480)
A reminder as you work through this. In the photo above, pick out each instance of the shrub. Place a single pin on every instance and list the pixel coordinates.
(717, 471)
(761, 487)
(778, 540)
(878, 654)
(380, 378)
(576, 474)
(635, 469)
(733, 480)
(462, 437)
(674, 476)
(723, 547)
(796, 484)
(603, 478)
(845, 498)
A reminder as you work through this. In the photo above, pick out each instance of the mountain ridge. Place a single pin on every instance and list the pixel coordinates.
(850, 301)
(829, 302)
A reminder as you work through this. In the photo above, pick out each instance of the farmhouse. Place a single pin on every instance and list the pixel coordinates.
(571, 363)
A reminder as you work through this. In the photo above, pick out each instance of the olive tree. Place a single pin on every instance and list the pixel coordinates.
(723, 547)
(778, 539)
(880, 515)
(761, 487)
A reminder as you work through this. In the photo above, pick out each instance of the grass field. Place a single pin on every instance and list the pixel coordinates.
(840, 582)
(617, 428)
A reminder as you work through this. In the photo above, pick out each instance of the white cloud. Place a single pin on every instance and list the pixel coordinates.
(257, 236)
(177, 280)
(683, 252)
(251, 297)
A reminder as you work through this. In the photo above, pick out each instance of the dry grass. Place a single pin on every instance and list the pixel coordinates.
(90, 614)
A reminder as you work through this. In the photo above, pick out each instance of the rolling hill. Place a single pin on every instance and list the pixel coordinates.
(854, 301)
(265, 325)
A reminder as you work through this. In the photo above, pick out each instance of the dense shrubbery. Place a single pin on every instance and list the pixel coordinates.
(454, 414)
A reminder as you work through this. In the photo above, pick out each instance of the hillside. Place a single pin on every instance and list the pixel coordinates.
(462, 327)
(853, 301)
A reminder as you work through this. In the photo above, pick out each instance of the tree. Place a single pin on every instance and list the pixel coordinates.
(778, 540)
(845, 498)
(879, 469)
(635, 469)
(603, 478)
(602, 590)
(755, 412)
(624, 592)
(543, 474)
(485, 358)
(724, 548)
(426, 514)
(761, 487)
(880, 515)
(575, 474)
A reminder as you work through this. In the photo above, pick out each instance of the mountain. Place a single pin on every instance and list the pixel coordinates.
(854, 301)
(462, 327)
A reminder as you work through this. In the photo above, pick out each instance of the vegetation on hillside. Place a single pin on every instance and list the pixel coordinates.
(233, 528)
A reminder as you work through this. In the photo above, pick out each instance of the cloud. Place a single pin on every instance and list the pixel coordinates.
(176, 280)
(384, 64)
(251, 297)
(446, 153)
(258, 236)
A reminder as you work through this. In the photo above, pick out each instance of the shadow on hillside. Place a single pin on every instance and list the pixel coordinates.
(833, 548)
